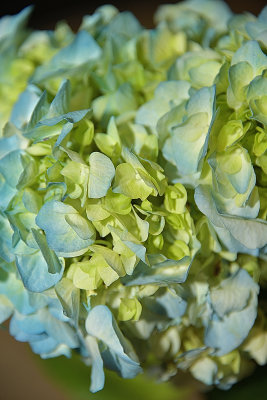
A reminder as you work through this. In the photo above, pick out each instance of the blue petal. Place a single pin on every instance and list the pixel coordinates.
(234, 303)
(97, 374)
(23, 108)
(101, 325)
(84, 49)
(67, 233)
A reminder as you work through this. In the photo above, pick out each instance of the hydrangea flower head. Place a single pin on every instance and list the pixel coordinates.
(133, 190)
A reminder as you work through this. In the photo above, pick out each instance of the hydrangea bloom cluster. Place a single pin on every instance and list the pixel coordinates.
(133, 190)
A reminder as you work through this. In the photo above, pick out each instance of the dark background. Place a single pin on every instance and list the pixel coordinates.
(48, 12)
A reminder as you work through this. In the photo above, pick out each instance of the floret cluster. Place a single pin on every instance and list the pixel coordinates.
(133, 190)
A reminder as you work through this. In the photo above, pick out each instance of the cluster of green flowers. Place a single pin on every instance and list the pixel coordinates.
(133, 190)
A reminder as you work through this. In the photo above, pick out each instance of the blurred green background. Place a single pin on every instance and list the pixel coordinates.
(24, 376)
